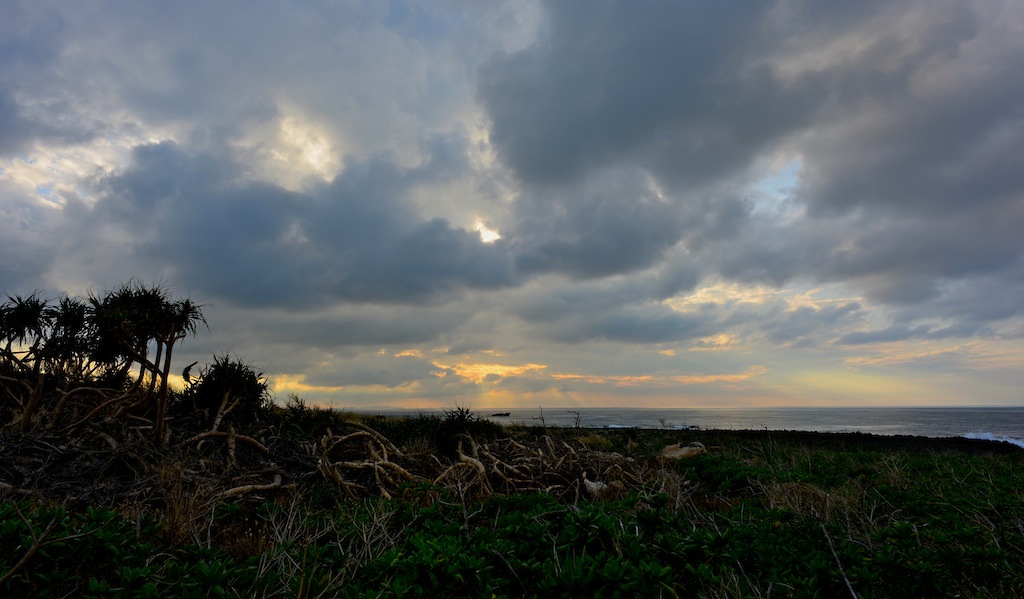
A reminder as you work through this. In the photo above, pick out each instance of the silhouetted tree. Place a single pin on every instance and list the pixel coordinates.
(55, 354)
(25, 323)
(131, 319)
(227, 388)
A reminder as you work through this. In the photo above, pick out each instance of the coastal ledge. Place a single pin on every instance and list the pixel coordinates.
(828, 440)
(652, 438)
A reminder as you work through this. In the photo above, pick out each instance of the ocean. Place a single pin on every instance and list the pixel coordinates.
(992, 423)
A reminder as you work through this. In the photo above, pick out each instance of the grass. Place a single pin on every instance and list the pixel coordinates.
(759, 515)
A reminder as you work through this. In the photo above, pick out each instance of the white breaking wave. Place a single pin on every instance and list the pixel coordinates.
(991, 437)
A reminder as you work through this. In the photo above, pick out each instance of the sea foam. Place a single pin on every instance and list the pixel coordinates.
(991, 437)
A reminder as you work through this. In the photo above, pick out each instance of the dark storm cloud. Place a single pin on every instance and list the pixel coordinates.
(807, 325)
(894, 259)
(27, 45)
(356, 239)
(612, 224)
(946, 139)
(907, 119)
(641, 325)
(24, 256)
(981, 300)
(615, 310)
(14, 130)
(958, 308)
(391, 372)
(665, 84)
(364, 326)
(53, 122)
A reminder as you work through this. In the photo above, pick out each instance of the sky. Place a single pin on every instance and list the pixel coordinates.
(513, 203)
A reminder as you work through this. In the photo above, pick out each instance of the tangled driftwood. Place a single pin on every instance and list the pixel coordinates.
(363, 462)
(115, 464)
(362, 451)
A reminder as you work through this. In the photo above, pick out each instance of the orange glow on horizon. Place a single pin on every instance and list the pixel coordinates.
(479, 373)
(662, 380)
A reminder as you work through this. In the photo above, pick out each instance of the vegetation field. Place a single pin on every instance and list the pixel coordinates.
(754, 515)
(113, 483)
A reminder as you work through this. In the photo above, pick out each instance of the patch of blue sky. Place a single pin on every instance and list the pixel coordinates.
(49, 194)
(773, 194)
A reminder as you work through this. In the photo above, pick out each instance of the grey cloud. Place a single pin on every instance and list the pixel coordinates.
(363, 74)
(906, 117)
(630, 325)
(617, 310)
(25, 254)
(54, 122)
(28, 43)
(610, 224)
(888, 334)
(660, 83)
(810, 326)
(941, 139)
(357, 239)
(14, 130)
(984, 305)
(385, 371)
(359, 326)
(764, 253)
(902, 333)
(924, 164)
(898, 260)
(905, 260)
(983, 299)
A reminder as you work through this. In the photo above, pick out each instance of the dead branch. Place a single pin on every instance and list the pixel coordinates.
(231, 446)
(98, 409)
(380, 438)
(220, 434)
(251, 488)
(9, 488)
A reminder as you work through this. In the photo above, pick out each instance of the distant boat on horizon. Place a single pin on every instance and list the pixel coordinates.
(501, 414)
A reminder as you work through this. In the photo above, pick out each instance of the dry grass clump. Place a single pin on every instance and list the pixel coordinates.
(594, 440)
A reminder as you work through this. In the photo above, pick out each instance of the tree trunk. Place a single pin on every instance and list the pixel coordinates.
(33, 403)
(161, 400)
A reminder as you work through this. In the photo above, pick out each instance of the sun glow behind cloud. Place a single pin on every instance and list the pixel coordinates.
(482, 373)
(719, 342)
(304, 140)
(292, 150)
(487, 235)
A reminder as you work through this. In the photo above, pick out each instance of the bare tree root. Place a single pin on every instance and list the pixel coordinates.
(359, 453)
(242, 490)
(224, 435)
(9, 488)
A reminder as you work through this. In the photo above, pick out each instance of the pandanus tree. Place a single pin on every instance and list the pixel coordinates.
(68, 344)
(25, 323)
(51, 352)
(181, 319)
(140, 325)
